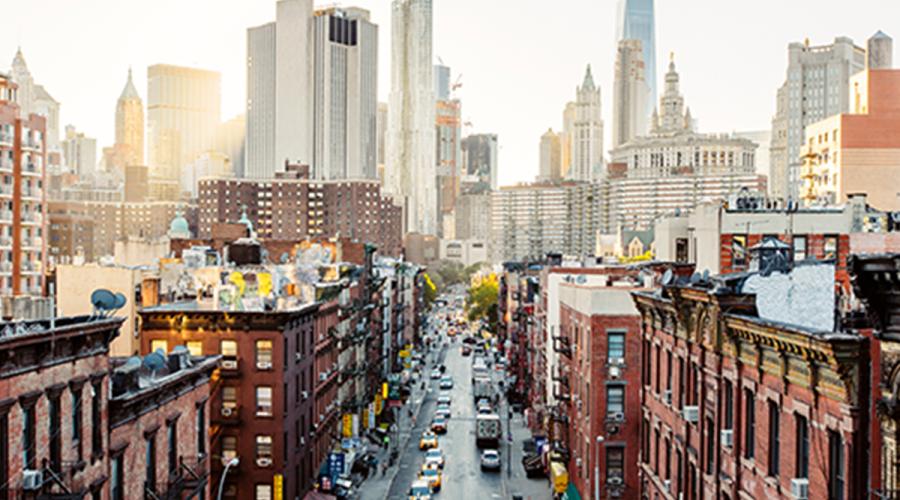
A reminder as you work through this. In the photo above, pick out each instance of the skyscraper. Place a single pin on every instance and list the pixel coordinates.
(293, 82)
(312, 92)
(481, 156)
(636, 21)
(587, 141)
(183, 109)
(448, 137)
(441, 82)
(565, 139)
(34, 98)
(260, 161)
(816, 86)
(130, 124)
(550, 157)
(345, 94)
(630, 93)
(80, 152)
(410, 176)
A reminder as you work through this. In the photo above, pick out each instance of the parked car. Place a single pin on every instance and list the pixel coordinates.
(435, 374)
(444, 399)
(446, 382)
(490, 460)
(439, 425)
(443, 412)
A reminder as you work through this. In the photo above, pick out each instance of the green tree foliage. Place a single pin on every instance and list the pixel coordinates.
(481, 302)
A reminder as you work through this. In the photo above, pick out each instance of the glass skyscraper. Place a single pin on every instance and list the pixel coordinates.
(636, 20)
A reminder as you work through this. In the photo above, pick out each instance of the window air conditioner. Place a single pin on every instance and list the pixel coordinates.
(800, 488)
(32, 480)
(727, 437)
(691, 413)
(263, 462)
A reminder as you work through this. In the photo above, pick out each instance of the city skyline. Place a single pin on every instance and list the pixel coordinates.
(742, 99)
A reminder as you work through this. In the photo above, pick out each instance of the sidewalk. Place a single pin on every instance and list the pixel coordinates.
(519, 483)
(377, 487)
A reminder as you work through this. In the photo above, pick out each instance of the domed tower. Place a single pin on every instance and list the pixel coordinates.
(179, 229)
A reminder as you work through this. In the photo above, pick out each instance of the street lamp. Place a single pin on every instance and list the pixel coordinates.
(231, 463)
(597, 469)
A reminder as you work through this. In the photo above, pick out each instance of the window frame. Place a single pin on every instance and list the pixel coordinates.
(260, 409)
(749, 424)
(618, 334)
(774, 439)
(610, 409)
(612, 469)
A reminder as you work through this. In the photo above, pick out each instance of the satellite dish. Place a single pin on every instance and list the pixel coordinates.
(156, 360)
(120, 300)
(103, 300)
(581, 279)
(695, 278)
(706, 275)
(667, 278)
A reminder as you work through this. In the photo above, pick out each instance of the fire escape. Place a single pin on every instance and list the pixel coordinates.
(560, 411)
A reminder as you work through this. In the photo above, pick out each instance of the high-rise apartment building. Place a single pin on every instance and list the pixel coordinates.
(636, 21)
(550, 157)
(80, 152)
(532, 220)
(480, 162)
(231, 137)
(816, 87)
(183, 113)
(23, 156)
(441, 82)
(410, 176)
(565, 139)
(630, 93)
(345, 94)
(587, 140)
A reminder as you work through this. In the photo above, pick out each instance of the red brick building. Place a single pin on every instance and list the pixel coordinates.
(294, 208)
(737, 404)
(159, 426)
(54, 382)
(261, 408)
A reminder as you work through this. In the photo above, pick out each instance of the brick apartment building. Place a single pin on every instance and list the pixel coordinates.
(292, 207)
(159, 426)
(23, 226)
(261, 409)
(749, 392)
(54, 382)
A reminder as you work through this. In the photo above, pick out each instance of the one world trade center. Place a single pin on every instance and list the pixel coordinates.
(636, 21)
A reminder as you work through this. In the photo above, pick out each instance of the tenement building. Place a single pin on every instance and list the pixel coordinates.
(159, 425)
(54, 387)
(748, 390)
(674, 167)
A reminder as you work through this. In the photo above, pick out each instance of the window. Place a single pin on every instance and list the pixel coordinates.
(774, 439)
(835, 466)
(229, 448)
(645, 450)
(616, 347)
(195, 347)
(681, 250)
(669, 372)
(710, 445)
(150, 461)
(831, 248)
(799, 248)
(263, 492)
(615, 400)
(645, 363)
(263, 447)
(172, 433)
(801, 467)
(739, 250)
(656, 363)
(96, 420)
(55, 434)
(76, 422)
(157, 344)
(229, 397)
(264, 354)
(681, 381)
(656, 451)
(228, 348)
(668, 458)
(729, 404)
(678, 472)
(264, 401)
(749, 423)
(28, 438)
(615, 461)
(117, 479)
(201, 429)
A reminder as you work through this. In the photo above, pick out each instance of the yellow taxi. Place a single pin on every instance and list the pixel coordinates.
(431, 474)
(428, 441)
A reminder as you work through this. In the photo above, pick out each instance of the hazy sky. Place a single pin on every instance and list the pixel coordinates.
(520, 60)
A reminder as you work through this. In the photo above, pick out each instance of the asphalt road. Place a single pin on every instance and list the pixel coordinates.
(462, 477)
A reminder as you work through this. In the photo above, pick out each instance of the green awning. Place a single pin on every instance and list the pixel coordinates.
(571, 493)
